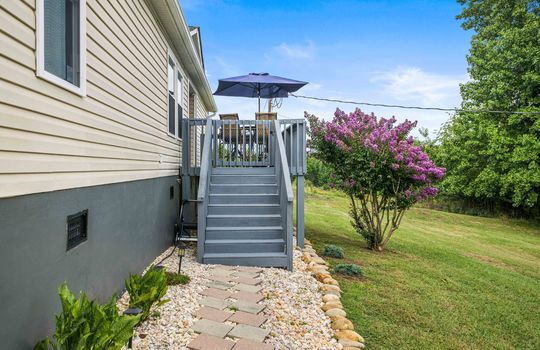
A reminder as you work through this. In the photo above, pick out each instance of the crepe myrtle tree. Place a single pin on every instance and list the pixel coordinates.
(378, 165)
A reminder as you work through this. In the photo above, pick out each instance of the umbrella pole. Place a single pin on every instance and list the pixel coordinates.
(259, 104)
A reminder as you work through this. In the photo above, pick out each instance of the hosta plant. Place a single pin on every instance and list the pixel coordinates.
(147, 290)
(378, 165)
(87, 325)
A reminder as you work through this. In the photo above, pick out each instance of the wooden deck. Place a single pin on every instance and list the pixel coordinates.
(244, 194)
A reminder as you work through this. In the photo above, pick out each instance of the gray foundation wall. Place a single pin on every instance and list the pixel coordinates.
(129, 224)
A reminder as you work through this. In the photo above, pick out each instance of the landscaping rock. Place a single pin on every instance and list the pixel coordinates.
(336, 312)
(349, 344)
(330, 297)
(349, 335)
(330, 280)
(320, 261)
(332, 305)
(341, 323)
(330, 287)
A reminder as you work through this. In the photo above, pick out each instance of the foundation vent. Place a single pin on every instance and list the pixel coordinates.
(77, 229)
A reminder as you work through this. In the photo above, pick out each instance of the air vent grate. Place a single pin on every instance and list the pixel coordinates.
(77, 229)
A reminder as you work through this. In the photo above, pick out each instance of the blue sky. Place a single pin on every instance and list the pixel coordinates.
(395, 52)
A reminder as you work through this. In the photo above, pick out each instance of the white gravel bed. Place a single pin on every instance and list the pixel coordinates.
(293, 303)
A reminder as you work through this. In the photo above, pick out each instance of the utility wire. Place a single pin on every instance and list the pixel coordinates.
(414, 107)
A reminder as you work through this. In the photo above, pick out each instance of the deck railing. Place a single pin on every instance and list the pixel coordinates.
(244, 143)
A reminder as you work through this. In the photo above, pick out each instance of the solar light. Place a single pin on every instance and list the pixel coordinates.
(181, 253)
(132, 312)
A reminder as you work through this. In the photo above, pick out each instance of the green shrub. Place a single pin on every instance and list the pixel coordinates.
(348, 269)
(147, 290)
(87, 325)
(333, 251)
(318, 173)
(174, 278)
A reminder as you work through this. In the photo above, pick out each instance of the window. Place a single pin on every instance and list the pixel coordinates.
(175, 113)
(61, 36)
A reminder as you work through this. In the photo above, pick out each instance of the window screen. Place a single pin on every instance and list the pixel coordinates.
(61, 39)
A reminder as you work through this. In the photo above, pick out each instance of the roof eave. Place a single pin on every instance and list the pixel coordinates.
(172, 18)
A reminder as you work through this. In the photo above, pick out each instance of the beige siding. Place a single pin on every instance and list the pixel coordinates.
(52, 139)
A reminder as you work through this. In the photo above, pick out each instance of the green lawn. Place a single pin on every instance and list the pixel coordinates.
(446, 281)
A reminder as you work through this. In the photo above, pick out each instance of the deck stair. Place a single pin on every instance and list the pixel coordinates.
(243, 221)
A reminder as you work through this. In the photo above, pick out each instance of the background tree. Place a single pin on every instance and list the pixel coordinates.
(494, 158)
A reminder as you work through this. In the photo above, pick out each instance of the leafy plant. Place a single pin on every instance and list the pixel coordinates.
(87, 325)
(348, 269)
(174, 278)
(333, 251)
(377, 164)
(318, 173)
(147, 290)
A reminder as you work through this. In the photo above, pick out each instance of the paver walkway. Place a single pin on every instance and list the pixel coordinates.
(231, 309)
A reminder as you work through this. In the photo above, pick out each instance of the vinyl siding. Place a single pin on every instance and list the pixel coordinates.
(52, 139)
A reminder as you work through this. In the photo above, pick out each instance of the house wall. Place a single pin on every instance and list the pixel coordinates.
(129, 224)
(52, 139)
(60, 153)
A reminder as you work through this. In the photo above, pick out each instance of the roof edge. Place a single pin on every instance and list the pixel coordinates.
(172, 18)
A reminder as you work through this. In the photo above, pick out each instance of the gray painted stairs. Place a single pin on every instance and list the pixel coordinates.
(243, 224)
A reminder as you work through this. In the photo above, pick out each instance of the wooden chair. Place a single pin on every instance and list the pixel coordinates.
(230, 129)
(263, 132)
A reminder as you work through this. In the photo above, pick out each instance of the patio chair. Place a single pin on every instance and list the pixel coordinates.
(262, 134)
(230, 129)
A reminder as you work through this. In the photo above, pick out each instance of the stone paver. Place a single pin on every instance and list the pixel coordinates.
(216, 293)
(214, 328)
(208, 342)
(247, 288)
(247, 296)
(247, 274)
(248, 280)
(247, 318)
(246, 306)
(245, 344)
(221, 272)
(219, 285)
(220, 278)
(249, 269)
(216, 303)
(249, 332)
(212, 314)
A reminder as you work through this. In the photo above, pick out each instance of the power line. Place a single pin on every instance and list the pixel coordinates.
(414, 107)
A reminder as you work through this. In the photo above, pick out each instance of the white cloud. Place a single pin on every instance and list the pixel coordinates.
(296, 51)
(414, 84)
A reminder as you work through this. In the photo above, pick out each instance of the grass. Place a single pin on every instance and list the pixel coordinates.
(446, 281)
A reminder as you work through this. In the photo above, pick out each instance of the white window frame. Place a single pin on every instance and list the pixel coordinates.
(178, 95)
(40, 53)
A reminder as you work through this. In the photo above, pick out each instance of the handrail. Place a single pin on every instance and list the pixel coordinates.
(284, 166)
(205, 162)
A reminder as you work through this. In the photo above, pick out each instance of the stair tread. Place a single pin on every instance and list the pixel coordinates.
(239, 241)
(243, 205)
(244, 255)
(243, 215)
(243, 228)
(243, 194)
(242, 184)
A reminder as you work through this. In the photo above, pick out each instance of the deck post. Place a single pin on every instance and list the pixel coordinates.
(300, 211)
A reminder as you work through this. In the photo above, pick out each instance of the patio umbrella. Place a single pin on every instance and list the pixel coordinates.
(258, 85)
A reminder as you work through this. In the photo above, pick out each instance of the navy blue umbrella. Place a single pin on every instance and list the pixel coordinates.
(258, 85)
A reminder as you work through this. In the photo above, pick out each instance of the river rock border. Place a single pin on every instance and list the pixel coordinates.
(329, 287)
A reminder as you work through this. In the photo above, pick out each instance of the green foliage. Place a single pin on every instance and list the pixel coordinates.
(174, 278)
(333, 251)
(318, 173)
(85, 324)
(147, 290)
(348, 269)
(492, 158)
